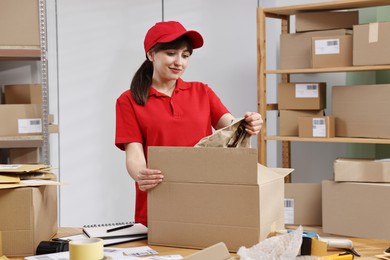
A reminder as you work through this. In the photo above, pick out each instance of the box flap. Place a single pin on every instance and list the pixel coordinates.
(269, 174)
(216, 252)
(229, 165)
(9, 179)
(28, 183)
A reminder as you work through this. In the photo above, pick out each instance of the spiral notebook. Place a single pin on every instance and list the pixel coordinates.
(116, 230)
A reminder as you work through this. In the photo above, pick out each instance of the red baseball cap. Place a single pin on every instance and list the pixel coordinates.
(168, 31)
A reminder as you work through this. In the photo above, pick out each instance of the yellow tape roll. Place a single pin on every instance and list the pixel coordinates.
(86, 249)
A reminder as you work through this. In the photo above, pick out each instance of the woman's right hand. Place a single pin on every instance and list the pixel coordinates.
(148, 179)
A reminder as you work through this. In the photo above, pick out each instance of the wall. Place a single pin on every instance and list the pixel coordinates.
(100, 45)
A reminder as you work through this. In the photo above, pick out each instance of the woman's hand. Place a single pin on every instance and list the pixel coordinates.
(254, 122)
(148, 179)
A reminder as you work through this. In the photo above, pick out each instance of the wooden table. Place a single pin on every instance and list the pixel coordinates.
(367, 248)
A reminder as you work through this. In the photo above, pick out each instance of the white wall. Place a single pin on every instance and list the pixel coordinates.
(100, 45)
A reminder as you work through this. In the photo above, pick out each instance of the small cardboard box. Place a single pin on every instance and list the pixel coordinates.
(362, 110)
(23, 94)
(288, 120)
(371, 44)
(302, 96)
(316, 126)
(332, 51)
(212, 195)
(295, 48)
(356, 209)
(28, 216)
(24, 155)
(303, 204)
(19, 23)
(318, 21)
(361, 170)
(20, 119)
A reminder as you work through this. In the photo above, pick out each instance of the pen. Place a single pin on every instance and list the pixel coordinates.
(119, 228)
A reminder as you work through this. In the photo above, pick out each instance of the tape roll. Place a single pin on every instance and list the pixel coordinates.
(86, 249)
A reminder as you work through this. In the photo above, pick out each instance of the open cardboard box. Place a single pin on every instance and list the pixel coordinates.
(212, 195)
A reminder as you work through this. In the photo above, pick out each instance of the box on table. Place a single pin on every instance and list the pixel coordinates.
(19, 23)
(28, 216)
(371, 44)
(288, 120)
(295, 48)
(362, 110)
(356, 209)
(23, 94)
(318, 21)
(323, 126)
(212, 195)
(24, 155)
(361, 170)
(331, 51)
(302, 96)
(303, 204)
(18, 119)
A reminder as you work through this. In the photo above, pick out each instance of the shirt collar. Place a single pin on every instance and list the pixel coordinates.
(180, 84)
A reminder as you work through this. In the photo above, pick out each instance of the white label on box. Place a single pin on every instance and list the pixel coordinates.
(29, 126)
(330, 46)
(319, 127)
(306, 90)
(288, 211)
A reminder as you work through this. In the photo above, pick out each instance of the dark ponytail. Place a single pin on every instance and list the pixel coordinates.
(141, 83)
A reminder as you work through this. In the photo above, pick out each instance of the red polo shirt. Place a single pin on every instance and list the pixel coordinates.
(180, 120)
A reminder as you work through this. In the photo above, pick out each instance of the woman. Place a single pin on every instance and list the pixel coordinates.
(161, 109)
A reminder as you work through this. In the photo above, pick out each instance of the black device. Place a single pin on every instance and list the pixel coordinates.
(49, 247)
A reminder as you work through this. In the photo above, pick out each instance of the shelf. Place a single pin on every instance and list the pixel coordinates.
(25, 141)
(327, 6)
(330, 140)
(327, 70)
(22, 53)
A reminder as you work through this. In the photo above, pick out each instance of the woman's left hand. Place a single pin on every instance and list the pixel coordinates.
(254, 122)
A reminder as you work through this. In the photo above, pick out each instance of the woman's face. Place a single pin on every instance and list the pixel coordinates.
(169, 64)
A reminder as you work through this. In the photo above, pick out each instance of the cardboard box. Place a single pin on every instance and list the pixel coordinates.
(317, 126)
(212, 195)
(303, 204)
(302, 95)
(331, 51)
(28, 216)
(23, 94)
(20, 119)
(371, 44)
(19, 23)
(24, 155)
(288, 120)
(362, 110)
(356, 209)
(295, 48)
(218, 251)
(361, 170)
(318, 21)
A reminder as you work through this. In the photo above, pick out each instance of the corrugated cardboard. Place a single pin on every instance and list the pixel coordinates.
(303, 204)
(218, 251)
(323, 126)
(331, 51)
(288, 120)
(212, 195)
(11, 114)
(362, 110)
(371, 44)
(318, 21)
(28, 216)
(23, 94)
(356, 209)
(361, 170)
(295, 48)
(19, 23)
(24, 155)
(302, 95)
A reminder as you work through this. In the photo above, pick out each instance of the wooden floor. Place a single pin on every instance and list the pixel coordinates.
(367, 248)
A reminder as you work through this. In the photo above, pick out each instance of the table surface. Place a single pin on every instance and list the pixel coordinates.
(367, 248)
